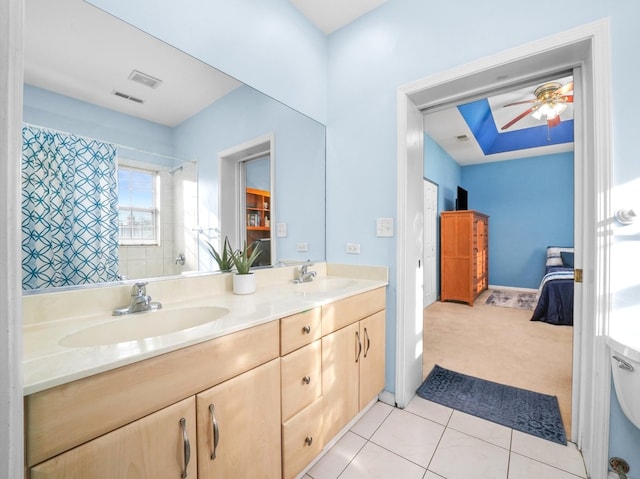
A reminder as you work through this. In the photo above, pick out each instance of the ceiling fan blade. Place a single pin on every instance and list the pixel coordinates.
(554, 121)
(517, 118)
(566, 98)
(533, 100)
(563, 90)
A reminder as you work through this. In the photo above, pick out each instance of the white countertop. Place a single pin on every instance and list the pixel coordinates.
(48, 364)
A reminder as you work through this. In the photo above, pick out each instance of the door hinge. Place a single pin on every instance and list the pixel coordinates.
(577, 275)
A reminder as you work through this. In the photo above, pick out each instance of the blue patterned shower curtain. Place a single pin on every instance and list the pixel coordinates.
(69, 210)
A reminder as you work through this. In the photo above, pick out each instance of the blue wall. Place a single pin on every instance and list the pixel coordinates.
(530, 206)
(250, 114)
(137, 139)
(397, 43)
(299, 164)
(258, 174)
(529, 202)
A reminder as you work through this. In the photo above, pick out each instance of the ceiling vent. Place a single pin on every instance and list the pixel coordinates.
(127, 97)
(144, 79)
(462, 138)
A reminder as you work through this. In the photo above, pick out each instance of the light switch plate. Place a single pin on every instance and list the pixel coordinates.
(384, 227)
(281, 230)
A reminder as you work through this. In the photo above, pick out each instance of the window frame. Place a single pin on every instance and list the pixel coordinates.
(155, 209)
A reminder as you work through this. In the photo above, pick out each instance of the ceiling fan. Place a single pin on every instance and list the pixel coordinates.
(550, 100)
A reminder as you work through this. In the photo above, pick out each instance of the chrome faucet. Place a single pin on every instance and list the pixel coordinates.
(140, 301)
(304, 275)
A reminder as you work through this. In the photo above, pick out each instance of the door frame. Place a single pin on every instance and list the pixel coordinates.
(231, 200)
(585, 49)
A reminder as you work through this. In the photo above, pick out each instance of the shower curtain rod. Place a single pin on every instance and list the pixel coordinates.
(130, 148)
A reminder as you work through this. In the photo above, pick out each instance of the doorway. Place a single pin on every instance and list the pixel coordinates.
(586, 48)
(246, 199)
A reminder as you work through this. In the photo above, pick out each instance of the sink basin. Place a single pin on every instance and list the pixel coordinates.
(322, 285)
(142, 325)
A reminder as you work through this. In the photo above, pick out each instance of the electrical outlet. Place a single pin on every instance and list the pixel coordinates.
(353, 248)
(384, 227)
(302, 247)
(281, 230)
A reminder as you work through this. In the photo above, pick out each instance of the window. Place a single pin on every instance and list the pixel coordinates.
(138, 206)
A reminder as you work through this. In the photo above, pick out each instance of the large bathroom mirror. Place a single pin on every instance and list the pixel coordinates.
(139, 131)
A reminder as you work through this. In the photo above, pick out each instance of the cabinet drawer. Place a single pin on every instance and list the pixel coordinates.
(341, 313)
(302, 439)
(299, 329)
(301, 378)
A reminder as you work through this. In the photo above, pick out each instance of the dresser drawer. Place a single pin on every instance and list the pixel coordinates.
(299, 329)
(302, 439)
(301, 378)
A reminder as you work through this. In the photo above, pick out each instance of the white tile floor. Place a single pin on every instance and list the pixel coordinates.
(430, 441)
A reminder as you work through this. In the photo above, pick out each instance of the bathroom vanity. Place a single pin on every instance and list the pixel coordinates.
(257, 392)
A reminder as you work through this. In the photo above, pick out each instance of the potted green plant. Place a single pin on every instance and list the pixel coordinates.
(224, 258)
(244, 282)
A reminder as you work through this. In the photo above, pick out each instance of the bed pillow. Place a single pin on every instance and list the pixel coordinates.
(553, 254)
(567, 259)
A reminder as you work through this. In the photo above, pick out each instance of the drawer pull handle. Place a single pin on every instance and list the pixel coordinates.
(308, 440)
(215, 429)
(186, 445)
(366, 337)
(306, 329)
(306, 379)
(358, 346)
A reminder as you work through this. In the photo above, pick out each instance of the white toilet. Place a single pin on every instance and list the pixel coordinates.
(625, 367)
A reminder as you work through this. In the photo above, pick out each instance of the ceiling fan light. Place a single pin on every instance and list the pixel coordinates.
(537, 114)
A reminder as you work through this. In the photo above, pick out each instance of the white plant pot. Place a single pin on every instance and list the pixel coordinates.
(244, 283)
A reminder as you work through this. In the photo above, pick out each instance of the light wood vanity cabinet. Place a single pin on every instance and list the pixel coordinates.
(352, 356)
(301, 377)
(101, 416)
(239, 426)
(265, 399)
(155, 446)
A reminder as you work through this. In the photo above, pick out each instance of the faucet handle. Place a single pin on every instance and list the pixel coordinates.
(139, 289)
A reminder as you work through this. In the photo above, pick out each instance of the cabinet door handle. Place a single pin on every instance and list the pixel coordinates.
(306, 329)
(215, 430)
(186, 445)
(308, 440)
(306, 379)
(358, 346)
(366, 336)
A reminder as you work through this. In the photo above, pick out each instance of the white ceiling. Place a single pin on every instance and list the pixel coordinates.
(330, 15)
(59, 58)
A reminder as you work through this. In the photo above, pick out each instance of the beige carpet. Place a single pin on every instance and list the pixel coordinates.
(501, 345)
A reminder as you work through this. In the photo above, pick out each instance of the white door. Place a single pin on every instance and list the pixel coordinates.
(410, 255)
(430, 290)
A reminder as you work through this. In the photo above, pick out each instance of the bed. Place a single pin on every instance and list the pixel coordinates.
(555, 294)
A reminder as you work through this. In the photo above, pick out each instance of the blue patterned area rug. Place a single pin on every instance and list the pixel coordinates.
(526, 411)
(512, 299)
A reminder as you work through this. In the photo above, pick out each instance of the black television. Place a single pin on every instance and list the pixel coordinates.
(461, 200)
